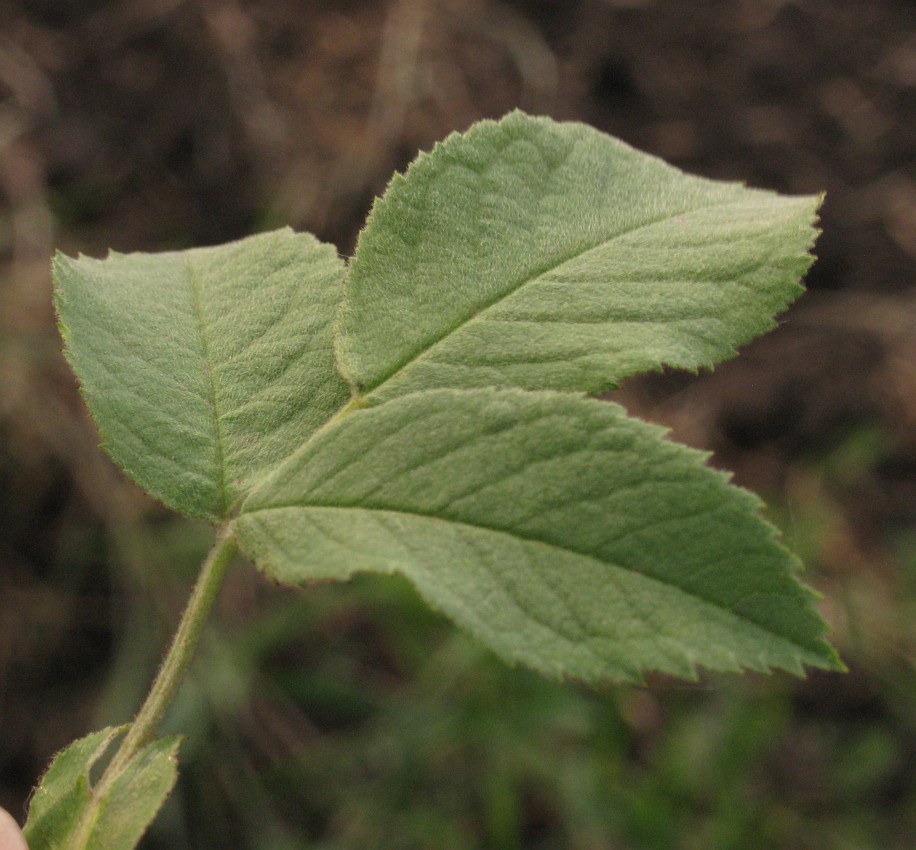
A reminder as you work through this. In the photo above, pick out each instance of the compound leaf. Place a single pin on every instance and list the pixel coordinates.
(517, 259)
(540, 255)
(204, 367)
(561, 532)
(68, 813)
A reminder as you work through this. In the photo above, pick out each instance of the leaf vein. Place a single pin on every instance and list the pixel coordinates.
(212, 396)
(532, 276)
(516, 536)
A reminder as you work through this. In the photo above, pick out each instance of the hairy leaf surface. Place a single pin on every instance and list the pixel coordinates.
(559, 531)
(540, 255)
(205, 367)
(68, 813)
(518, 259)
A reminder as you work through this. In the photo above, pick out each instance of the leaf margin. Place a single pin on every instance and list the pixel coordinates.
(824, 656)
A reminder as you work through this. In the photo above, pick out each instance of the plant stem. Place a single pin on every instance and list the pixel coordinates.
(143, 729)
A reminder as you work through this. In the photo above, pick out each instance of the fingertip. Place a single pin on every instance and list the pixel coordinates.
(11, 837)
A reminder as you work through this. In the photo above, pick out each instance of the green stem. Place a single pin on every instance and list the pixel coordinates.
(144, 728)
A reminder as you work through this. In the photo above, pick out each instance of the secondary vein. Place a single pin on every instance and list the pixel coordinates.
(532, 276)
(527, 538)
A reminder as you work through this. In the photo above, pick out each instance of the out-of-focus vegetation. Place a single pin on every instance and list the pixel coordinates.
(351, 716)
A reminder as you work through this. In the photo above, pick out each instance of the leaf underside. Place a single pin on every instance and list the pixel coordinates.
(508, 272)
(564, 533)
(570, 261)
(67, 813)
(204, 368)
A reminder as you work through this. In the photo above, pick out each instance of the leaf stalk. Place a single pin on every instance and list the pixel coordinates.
(145, 726)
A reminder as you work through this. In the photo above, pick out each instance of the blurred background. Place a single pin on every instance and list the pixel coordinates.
(351, 716)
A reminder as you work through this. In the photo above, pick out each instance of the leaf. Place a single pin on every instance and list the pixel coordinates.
(68, 813)
(539, 255)
(204, 367)
(560, 532)
(517, 259)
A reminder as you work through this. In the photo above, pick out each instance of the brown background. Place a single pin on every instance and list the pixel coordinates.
(156, 124)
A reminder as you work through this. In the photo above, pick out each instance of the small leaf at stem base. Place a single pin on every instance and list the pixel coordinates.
(69, 812)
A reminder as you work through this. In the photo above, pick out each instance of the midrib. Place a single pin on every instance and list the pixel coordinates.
(810, 653)
(212, 396)
(532, 276)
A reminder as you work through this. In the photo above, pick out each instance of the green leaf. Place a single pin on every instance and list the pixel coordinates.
(520, 258)
(539, 255)
(562, 533)
(205, 367)
(68, 813)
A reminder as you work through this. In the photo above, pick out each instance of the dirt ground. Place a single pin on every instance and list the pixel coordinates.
(155, 124)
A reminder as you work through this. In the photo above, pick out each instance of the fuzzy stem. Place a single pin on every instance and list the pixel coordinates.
(143, 730)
